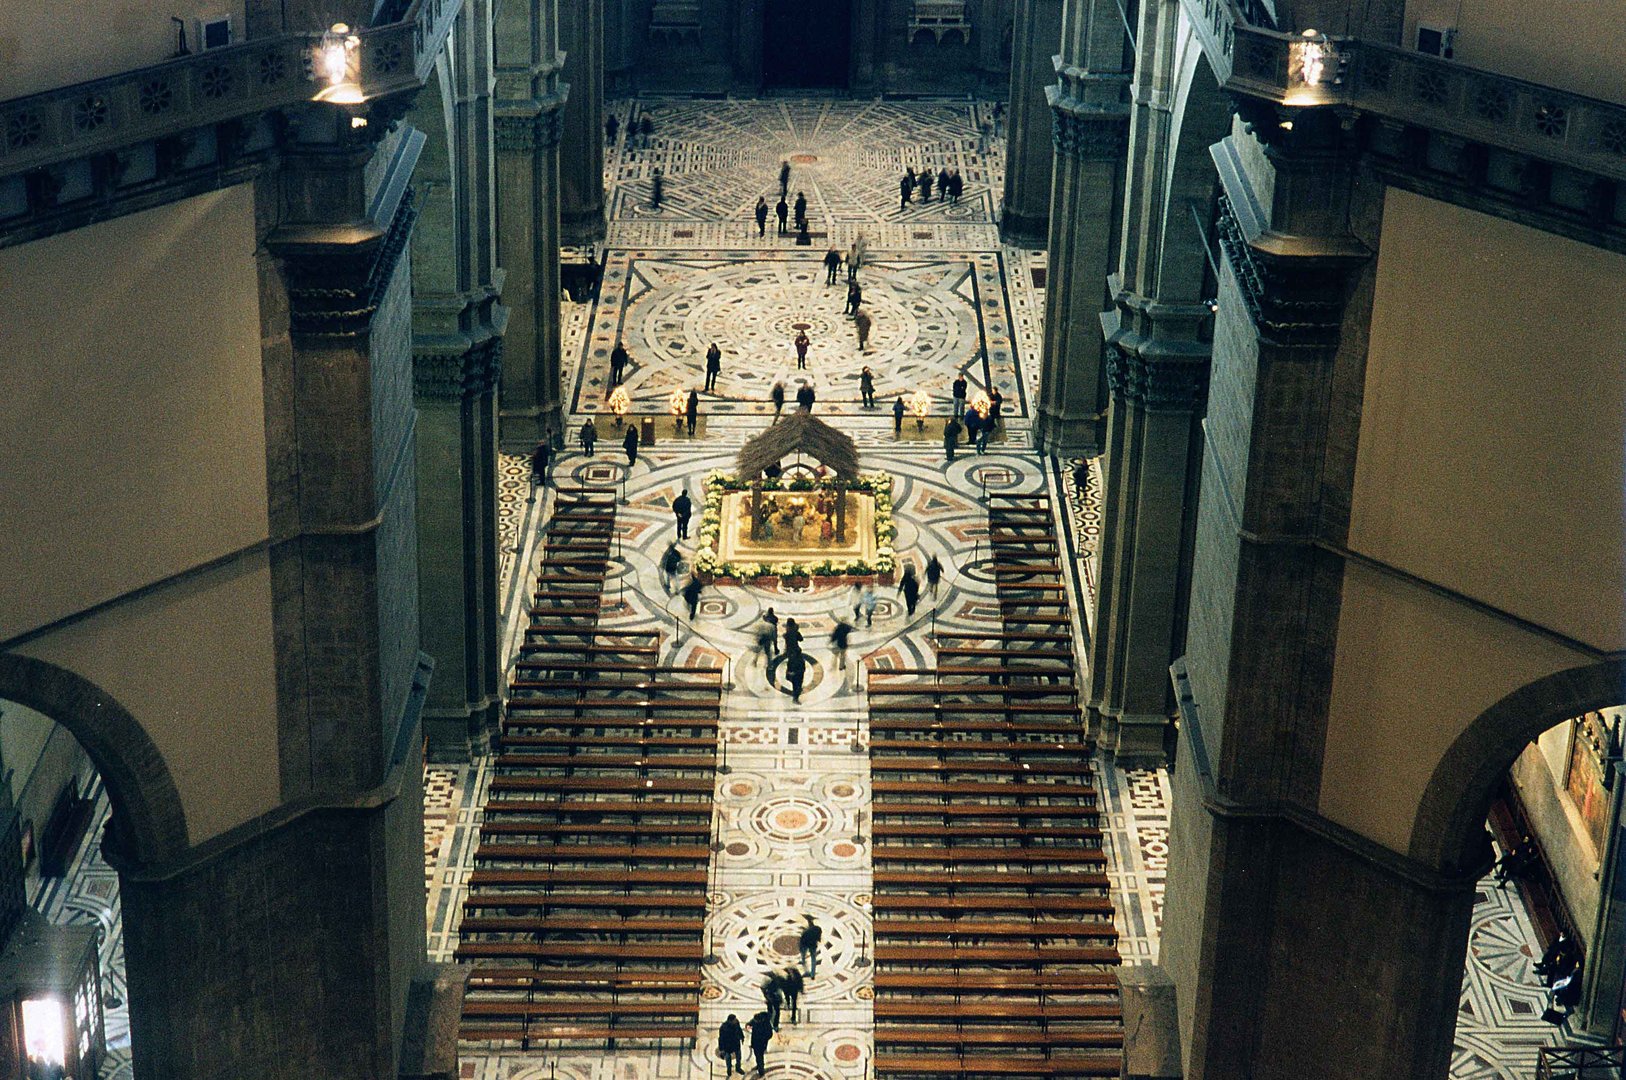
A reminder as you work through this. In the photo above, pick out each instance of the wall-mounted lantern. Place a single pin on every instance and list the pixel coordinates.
(337, 66)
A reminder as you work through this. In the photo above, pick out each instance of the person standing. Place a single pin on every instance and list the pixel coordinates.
(691, 596)
(802, 342)
(807, 945)
(795, 673)
(942, 183)
(777, 396)
(646, 130)
(761, 1032)
(934, 574)
(832, 263)
(897, 417)
(984, 430)
(853, 259)
(801, 211)
(792, 983)
(996, 406)
(909, 588)
(840, 636)
(781, 211)
(973, 425)
(682, 509)
(671, 566)
(693, 409)
(773, 996)
(588, 437)
(611, 126)
(657, 189)
(862, 323)
(762, 216)
(926, 184)
(855, 296)
(730, 1037)
(618, 365)
(714, 367)
(951, 438)
(805, 397)
(541, 459)
(784, 178)
(956, 186)
(629, 443)
(959, 395)
(906, 189)
(866, 387)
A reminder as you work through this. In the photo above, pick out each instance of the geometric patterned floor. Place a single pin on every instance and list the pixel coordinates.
(946, 296)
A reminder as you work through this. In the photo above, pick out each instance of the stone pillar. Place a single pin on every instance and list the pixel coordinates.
(991, 18)
(1089, 107)
(1024, 210)
(457, 348)
(241, 949)
(527, 126)
(581, 153)
(864, 77)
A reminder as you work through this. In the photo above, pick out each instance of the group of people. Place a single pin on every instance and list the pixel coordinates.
(640, 130)
(948, 181)
(781, 993)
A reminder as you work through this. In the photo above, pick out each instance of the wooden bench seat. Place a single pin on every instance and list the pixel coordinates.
(994, 652)
(994, 928)
(993, 1012)
(573, 877)
(1077, 905)
(1026, 1036)
(964, 788)
(595, 852)
(621, 982)
(881, 810)
(554, 924)
(666, 808)
(965, 692)
(588, 760)
(638, 742)
(672, 1010)
(667, 785)
(485, 901)
(575, 1033)
(1000, 635)
(943, 955)
(1089, 836)
(998, 982)
(1011, 1065)
(689, 952)
(1007, 880)
(972, 767)
(564, 829)
(1016, 856)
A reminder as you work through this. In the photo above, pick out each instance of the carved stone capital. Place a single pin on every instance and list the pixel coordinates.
(334, 289)
(450, 374)
(530, 131)
(1158, 383)
(1295, 301)
(1088, 132)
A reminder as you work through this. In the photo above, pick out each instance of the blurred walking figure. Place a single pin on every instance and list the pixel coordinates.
(808, 945)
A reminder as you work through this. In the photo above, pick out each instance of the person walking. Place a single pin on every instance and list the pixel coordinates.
(926, 179)
(958, 391)
(773, 996)
(781, 211)
(985, 429)
(646, 131)
(771, 621)
(784, 178)
(973, 425)
(906, 189)
(897, 417)
(909, 588)
(792, 983)
(766, 646)
(793, 635)
(840, 636)
(730, 1037)
(691, 596)
(861, 324)
(867, 601)
(852, 260)
(761, 1032)
(795, 673)
(541, 459)
(855, 296)
(866, 387)
(807, 945)
(777, 396)
(671, 566)
(762, 216)
(951, 438)
(588, 437)
(802, 342)
(985, 132)
(657, 189)
(934, 574)
(805, 397)
(942, 183)
(629, 443)
(682, 509)
(693, 409)
(956, 186)
(618, 365)
(996, 406)
(714, 367)
(832, 263)
(801, 211)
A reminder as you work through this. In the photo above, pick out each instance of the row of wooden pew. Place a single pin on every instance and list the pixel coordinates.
(995, 947)
(584, 917)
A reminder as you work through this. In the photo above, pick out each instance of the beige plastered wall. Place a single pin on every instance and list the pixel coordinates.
(1491, 463)
(134, 436)
(45, 44)
(1574, 45)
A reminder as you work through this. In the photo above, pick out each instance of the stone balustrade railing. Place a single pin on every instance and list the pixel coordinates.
(211, 87)
(1411, 88)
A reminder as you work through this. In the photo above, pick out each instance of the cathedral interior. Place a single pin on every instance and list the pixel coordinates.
(971, 538)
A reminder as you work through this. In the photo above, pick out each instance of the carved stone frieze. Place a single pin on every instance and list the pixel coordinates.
(1158, 384)
(446, 375)
(1089, 132)
(334, 290)
(530, 131)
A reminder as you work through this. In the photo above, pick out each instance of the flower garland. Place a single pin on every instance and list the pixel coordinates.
(718, 484)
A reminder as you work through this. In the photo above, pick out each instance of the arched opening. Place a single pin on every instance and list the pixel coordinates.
(82, 791)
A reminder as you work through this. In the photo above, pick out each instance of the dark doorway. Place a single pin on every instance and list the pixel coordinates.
(806, 43)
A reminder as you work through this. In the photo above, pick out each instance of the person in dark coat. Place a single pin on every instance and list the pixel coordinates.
(926, 184)
(671, 566)
(792, 983)
(646, 129)
(906, 189)
(934, 574)
(629, 443)
(996, 405)
(588, 437)
(781, 211)
(942, 183)
(866, 387)
(909, 588)
(805, 397)
(855, 296)
(714, 367)
(611, 126)
(762, 215)
(693, 409)
(958, 390)
(730, 1037)
(682, 509)
(657, 189)
(985, 431)
(777, 396)
(618, 365)
(802, 342)
(771, 619)
(795, 673)
(897, 416)
(793, 634)
(973, 425)
(541, 458)
(784, 179)
(800, 210)
(956, 187)
(773, 996)
(1561, 958)
(691, 596)
(761, 1032)
(951, 438)
(808, 945)
(832, 263)
(840, 636)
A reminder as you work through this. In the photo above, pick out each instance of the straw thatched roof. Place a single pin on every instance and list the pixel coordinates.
(799, 432)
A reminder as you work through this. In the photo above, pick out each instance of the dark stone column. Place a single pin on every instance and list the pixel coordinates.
(581, 148)
(864, 75)
(1025, 209)
(527, 125)
(1088, 104)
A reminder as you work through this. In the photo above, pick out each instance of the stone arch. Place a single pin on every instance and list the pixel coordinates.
(436, 237)
(1200, 116)
(1448, 829)
(148, 822)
